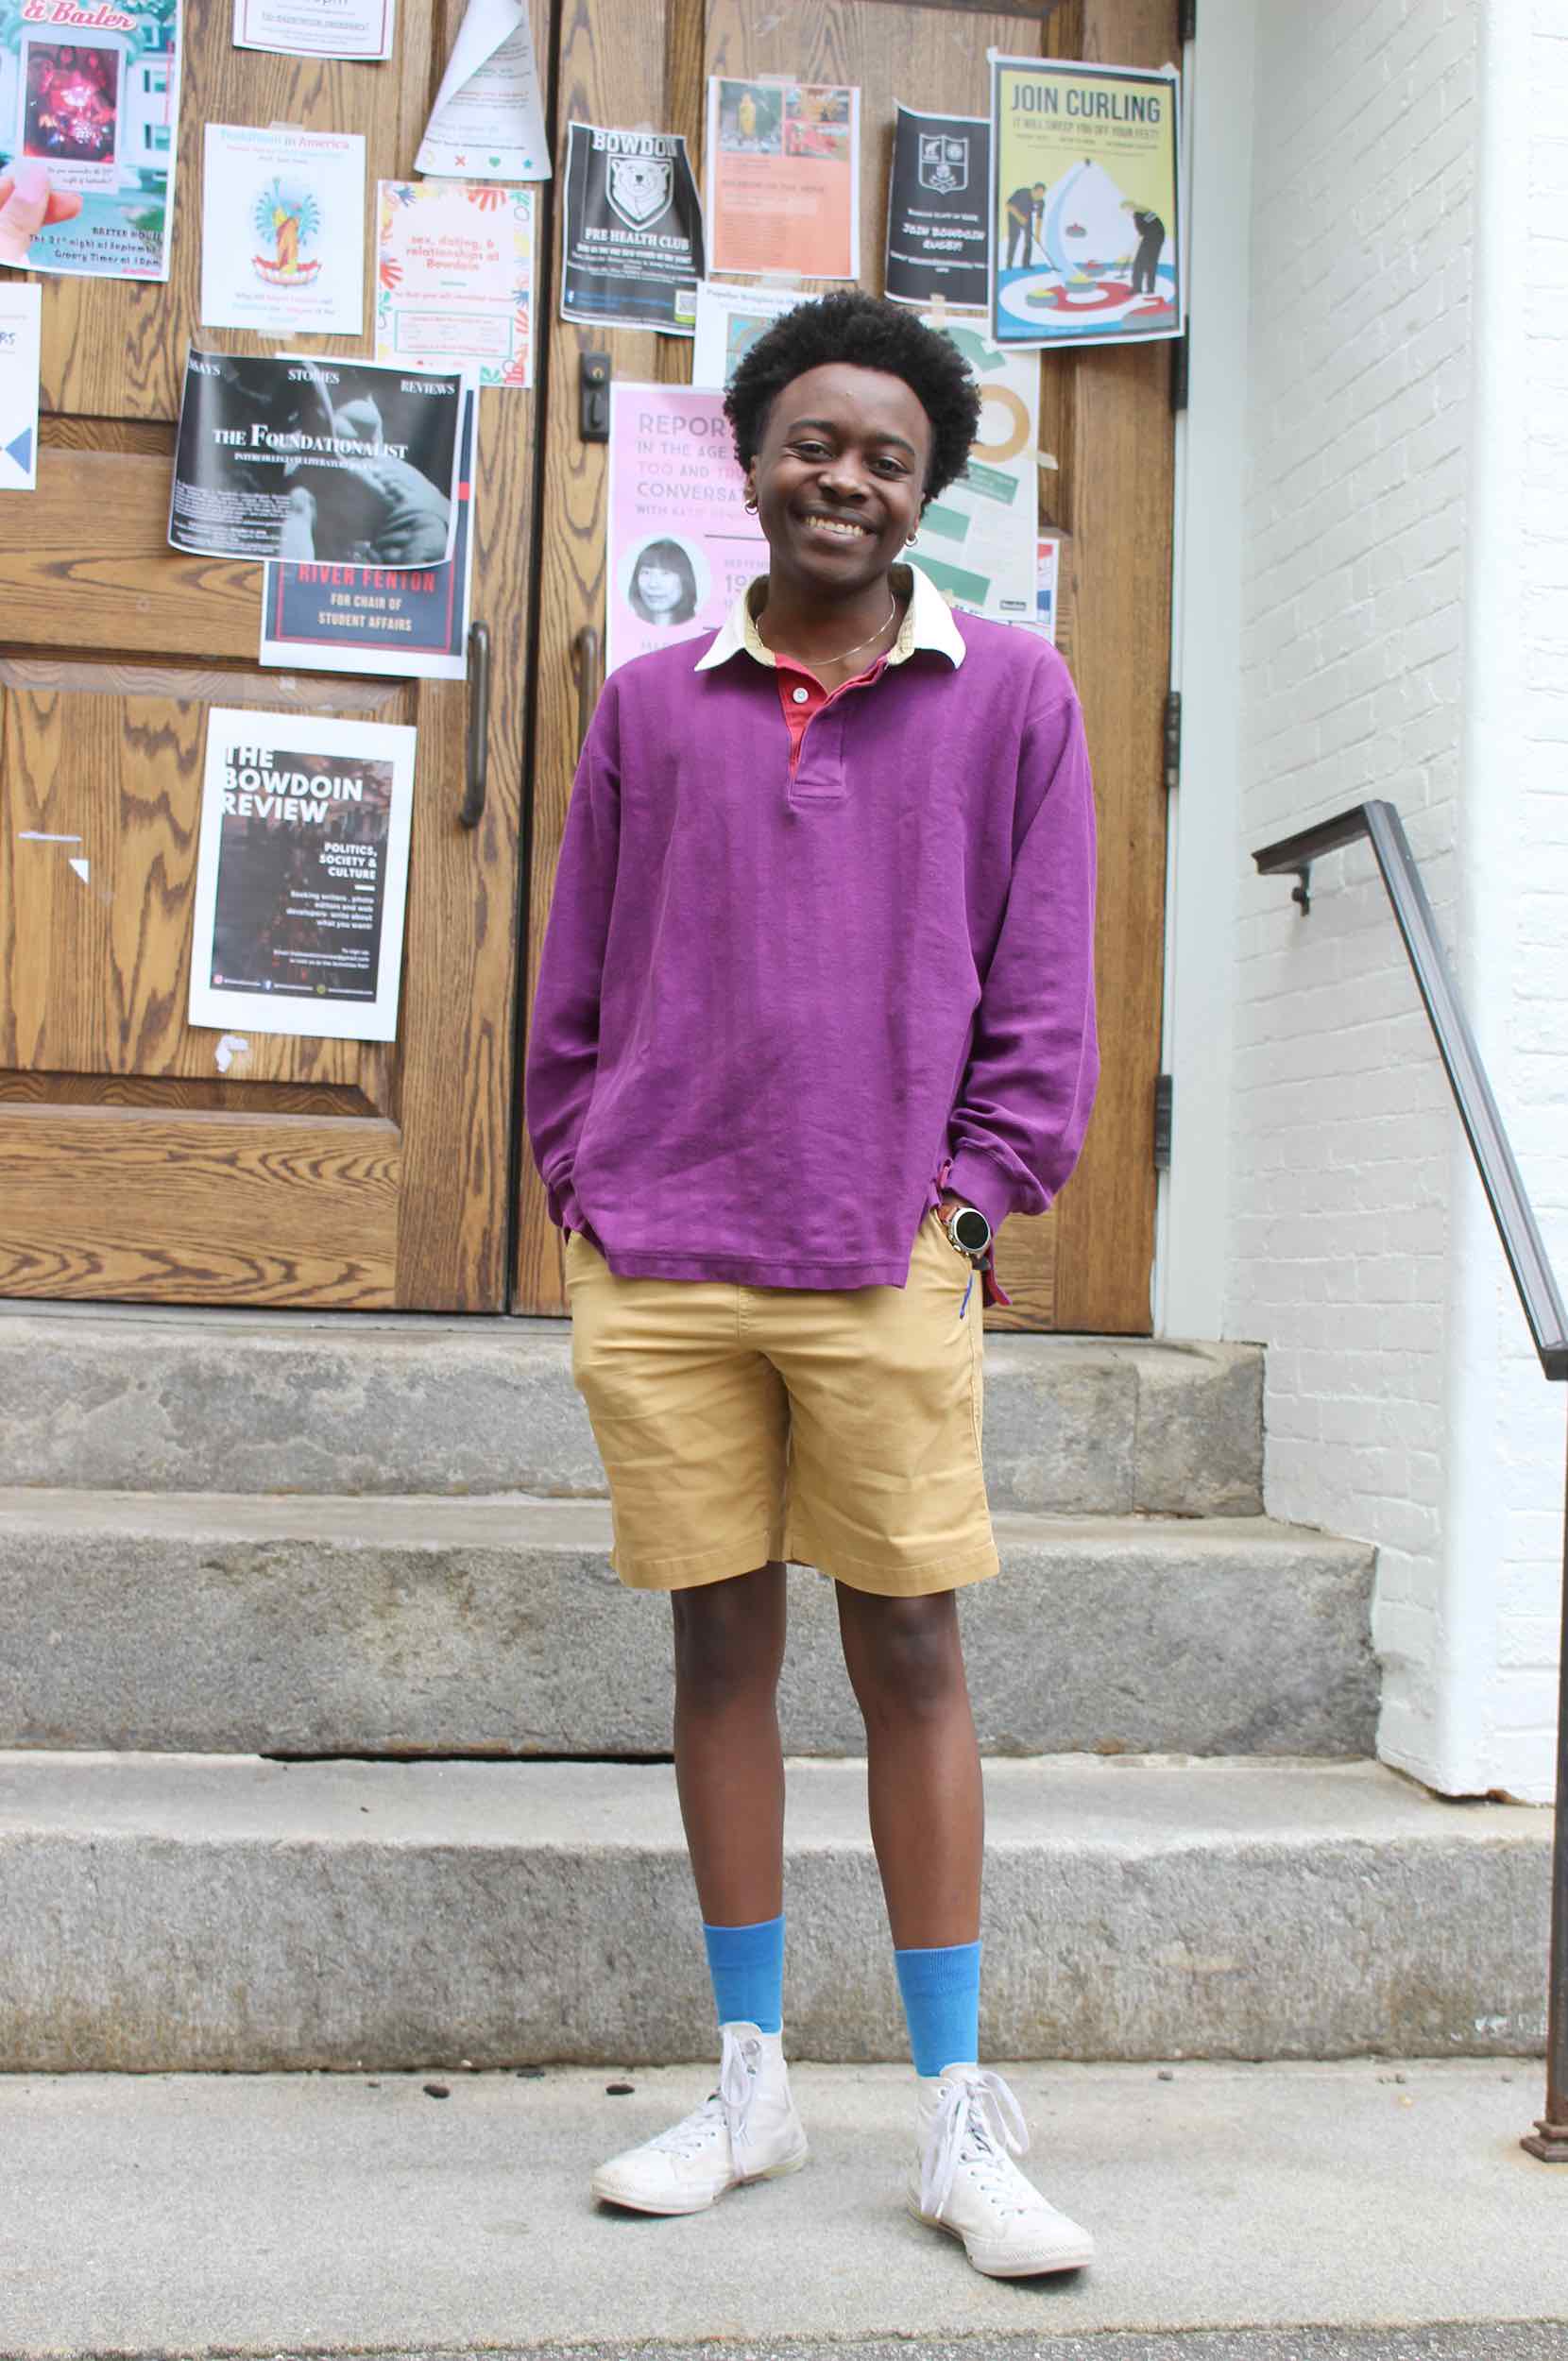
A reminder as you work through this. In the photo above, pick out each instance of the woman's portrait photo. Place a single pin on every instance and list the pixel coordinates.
(662, 588)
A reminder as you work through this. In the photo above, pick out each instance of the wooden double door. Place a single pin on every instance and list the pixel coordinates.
(145, 1159)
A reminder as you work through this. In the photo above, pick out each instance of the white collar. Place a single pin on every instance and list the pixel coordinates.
(927, 624)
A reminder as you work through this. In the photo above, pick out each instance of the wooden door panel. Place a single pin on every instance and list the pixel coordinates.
(153, 1204)
(1104, 422)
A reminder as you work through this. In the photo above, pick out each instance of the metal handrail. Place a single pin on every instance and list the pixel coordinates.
(1539, 1293)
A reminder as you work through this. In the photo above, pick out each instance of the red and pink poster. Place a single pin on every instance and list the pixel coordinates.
(681, 544)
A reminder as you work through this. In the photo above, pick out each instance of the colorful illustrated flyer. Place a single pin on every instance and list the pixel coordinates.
(1047, 571)
(302, 874)
(335, 462)
(21, 307)
(316, 29)
(977, 538)
(411, 622)
(937, 198)
(90, 120)
(783, 178)
(487, 123)
(282, 231)
(632, 250)
(1086, 168)
(454, 277)
(729, 320)
(681, 544)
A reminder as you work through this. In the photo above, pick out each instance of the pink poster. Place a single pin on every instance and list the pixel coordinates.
(681, 544)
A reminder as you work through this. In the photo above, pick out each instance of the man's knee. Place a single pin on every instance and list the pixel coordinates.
(728, 1636)
(906, 1656)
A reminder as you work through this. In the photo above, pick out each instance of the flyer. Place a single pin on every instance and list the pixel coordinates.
(1085, 170)
(282, 231)
(302, 874)
(454, 277)
(1047, 569)
(316, 29)
(681, 544)
(338, 462)
(937, 195)
(632, 233)
(783, 178)
(487, 123)
(411, 622)
(729, 320)
(20, 306)
(977, 538)
(90, 107)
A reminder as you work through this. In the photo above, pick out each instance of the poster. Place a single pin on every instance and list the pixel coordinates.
(339, 462)
(729, 320)
(978, 538)
(282, 231)
(1084, 175)
(783, 178)
(316, 29)
(632, 250)
(681, 544)
(937, 197)
(302, 874)
(454, 277)
(20, 313)
(487, 123)
(411, 622)
(89, 125)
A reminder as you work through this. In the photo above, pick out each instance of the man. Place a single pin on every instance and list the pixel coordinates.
(1146, 262)
(1024, 208)
(814, 1014)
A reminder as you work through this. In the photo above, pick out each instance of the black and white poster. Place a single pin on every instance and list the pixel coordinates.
(330, 462)
(937, 198)
(302, 874)
(632, 240)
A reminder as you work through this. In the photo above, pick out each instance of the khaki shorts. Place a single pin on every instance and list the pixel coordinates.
(839, 1429)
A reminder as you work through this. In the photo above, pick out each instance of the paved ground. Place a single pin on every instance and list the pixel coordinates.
(284, 2214)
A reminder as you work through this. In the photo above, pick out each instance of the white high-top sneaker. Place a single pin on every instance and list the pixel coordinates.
(747, 2131)
(969, 2126)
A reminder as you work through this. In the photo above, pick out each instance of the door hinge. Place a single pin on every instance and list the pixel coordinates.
(1172, 739)
(1178, 373)
(1189, 20)
(1164, 1102)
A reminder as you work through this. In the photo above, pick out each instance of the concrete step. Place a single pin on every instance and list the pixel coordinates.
(174, 1912)
(245, 1623)
(171, 1401)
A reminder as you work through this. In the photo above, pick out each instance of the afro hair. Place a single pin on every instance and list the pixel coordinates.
(867, 333)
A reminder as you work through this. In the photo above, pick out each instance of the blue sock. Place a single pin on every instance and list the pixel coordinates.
(747, 1967)
(941, 1992)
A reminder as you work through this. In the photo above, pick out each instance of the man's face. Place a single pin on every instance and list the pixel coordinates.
(838, 478)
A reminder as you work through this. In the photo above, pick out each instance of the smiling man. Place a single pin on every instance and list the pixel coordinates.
(814, 1014)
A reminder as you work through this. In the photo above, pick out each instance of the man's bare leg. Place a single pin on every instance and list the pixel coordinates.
(729, 1765)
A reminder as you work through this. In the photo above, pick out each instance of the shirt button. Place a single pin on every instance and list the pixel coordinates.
(800, 695)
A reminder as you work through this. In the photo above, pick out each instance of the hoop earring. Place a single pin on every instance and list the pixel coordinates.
(910, 539)
(750, 507)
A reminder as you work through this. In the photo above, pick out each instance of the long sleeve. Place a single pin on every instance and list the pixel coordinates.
(563, 1040)
(1024, 1102)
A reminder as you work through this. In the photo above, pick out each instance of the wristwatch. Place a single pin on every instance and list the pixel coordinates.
(967, 1230)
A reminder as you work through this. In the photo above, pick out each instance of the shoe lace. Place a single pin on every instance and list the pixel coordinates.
(978, 2123)
(729, 2108)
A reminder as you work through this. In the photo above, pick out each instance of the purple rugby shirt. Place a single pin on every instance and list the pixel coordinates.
(771, 1013)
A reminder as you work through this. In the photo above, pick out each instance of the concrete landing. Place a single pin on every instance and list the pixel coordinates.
(330, 2215)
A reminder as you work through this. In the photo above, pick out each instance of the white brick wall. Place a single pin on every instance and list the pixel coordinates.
(1355, 578)
(1405, 635)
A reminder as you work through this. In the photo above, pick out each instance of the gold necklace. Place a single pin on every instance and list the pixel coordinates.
(893, 609)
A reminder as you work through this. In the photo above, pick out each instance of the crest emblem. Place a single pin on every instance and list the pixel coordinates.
(944, 163)
(638, 188)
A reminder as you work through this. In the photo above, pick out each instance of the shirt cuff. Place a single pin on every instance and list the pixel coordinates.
(562, 1203)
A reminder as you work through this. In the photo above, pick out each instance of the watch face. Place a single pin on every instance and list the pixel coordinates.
(971, 1230)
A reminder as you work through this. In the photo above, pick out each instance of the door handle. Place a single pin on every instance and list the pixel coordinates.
(477, 766)
(585, 671)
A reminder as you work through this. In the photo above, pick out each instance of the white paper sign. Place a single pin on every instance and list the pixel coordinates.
(454, 279)
(316, 29)
(729, 320)
(20, 307)
(487, 123)
(282, 231)
(977, 538)
(302, 874)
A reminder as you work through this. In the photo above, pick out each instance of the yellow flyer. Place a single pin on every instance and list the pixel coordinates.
(1086, 180)
(783, 179)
